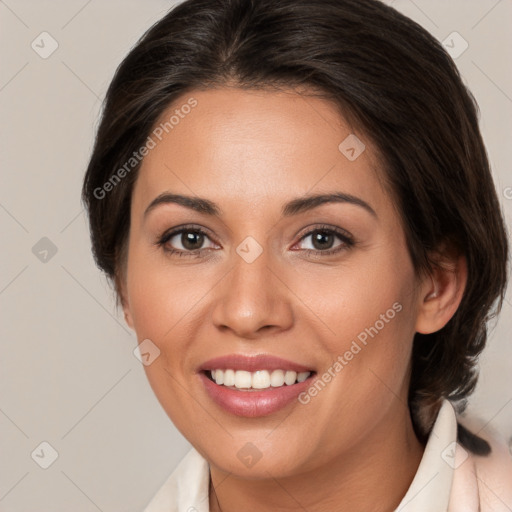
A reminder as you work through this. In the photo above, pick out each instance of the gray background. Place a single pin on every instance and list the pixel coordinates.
(68, 374)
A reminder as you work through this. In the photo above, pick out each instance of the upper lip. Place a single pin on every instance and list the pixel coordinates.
(252, 363)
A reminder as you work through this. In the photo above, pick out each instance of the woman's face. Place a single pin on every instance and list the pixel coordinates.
(328, 287)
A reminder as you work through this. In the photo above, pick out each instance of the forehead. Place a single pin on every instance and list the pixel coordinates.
(254, 147)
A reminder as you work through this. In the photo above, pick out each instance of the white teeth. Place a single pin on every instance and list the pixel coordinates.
(242, 379)
(302, 376)
(261, 379)
(229, 378)
(219, 377)
(277, 378)
(290, 378)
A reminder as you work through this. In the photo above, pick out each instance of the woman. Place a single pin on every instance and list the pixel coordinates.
(295, 205)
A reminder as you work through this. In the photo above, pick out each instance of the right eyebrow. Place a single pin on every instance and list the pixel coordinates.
(198, 204)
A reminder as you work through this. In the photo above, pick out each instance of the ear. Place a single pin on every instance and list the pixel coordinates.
(125, 303)
(128, 315)
(441, 291)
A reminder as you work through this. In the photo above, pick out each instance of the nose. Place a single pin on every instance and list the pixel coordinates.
(253, 300)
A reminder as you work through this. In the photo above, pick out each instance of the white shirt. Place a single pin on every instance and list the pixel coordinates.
(448, 479)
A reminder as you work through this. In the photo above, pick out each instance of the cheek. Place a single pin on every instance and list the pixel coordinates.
(160, 294)
(167, 302)
(162, 304)
(368, 309)
(363, 295)
(370, 315)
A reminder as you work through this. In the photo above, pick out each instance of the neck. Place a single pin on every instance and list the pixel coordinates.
(373, 475)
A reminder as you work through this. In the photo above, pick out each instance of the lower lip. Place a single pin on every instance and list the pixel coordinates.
(250, 403)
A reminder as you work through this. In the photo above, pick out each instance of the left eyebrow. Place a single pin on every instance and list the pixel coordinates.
(293, 207)
(302, 204)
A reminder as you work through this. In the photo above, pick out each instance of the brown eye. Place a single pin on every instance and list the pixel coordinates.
(192, 240)
(185, 241)
(323, 241)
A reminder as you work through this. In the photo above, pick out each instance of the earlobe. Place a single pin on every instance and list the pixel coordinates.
(441, 294)
(127, 315)
(121, 290)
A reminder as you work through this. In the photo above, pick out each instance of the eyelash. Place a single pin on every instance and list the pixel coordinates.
(347, 240)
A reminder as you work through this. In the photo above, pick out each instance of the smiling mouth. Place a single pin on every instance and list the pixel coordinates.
(242, 380)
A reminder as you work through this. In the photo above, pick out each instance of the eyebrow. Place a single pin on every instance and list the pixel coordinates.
(293, 207)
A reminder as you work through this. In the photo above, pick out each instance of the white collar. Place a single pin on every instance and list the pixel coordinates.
(186, 490)
(431, 486)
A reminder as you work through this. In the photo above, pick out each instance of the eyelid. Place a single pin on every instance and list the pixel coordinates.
(325, 227)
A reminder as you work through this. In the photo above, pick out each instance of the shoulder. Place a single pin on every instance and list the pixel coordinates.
(494, 476)
(488, 476)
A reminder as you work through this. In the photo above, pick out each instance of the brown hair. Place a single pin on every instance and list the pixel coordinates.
(385, 72)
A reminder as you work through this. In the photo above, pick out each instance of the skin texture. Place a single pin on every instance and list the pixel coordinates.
(250, 152)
